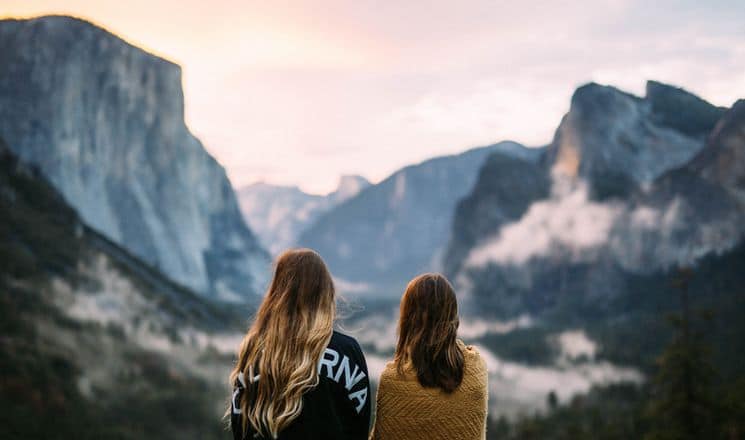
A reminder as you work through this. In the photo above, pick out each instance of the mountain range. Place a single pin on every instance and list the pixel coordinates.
(279, 214)
(122, 238)
(376, 241)
(629, 185)
(124, 159)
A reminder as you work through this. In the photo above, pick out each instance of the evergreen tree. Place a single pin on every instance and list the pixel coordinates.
(682, 405)
(734, 401)
(552, 401)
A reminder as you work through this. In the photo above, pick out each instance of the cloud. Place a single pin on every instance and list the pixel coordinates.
(574, 344)
(568, 223)
(475, 328)
(516, 388)
(678, 232)
(335, 87)
(641, 236)
(379, 329)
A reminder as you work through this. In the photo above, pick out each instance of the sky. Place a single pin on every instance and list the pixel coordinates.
(302, 92)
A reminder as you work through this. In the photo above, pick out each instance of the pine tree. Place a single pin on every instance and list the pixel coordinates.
(682, 405)
(552, 401)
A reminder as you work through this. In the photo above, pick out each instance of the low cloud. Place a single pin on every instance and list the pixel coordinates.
(517, 389)
(678, 232)
(574, 345)
(568, 223)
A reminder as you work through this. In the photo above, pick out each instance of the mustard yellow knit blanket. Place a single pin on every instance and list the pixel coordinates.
(406, 410)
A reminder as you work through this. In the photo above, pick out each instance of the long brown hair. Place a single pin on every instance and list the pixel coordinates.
(278, 358)
(427, 330)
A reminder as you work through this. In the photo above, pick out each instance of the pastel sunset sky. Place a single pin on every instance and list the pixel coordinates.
(302, 92)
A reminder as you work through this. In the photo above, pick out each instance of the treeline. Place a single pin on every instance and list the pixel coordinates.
(695, 387)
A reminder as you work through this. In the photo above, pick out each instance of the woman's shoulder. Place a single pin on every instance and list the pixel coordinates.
(390, 370)
(475, 366)
(472, 356)
(341, 339)
(469, 350)
(345, 344)
(394, 381)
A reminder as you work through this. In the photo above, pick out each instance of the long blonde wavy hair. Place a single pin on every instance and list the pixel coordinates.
(285, 342)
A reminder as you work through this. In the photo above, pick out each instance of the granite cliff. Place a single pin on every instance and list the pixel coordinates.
(630, 186)
(104, 121)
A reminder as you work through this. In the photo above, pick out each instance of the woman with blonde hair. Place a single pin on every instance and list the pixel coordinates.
(436, 386)
(297, 378)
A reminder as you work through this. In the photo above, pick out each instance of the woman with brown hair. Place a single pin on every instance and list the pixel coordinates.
(436, 386)
(297, 378)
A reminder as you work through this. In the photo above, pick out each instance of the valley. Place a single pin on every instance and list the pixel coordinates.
(585, 268)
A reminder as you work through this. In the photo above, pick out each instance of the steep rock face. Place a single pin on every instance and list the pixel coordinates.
(676, 108)
(691, 211)
(635, 189)
(506, 186)
(105, 123)
(617, 141)
(278, 214)
(399, 227)
(105, 335)
(723, 161)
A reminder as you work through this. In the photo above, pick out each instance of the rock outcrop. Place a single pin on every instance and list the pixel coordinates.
(617, 141)
(104, 121)
(506, 187)
(629, 187)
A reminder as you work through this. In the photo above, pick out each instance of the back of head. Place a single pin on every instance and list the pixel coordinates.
(280, 353)
(427, 331)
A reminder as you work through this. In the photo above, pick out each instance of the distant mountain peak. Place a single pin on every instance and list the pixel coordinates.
(612, 136)
(279, 213)
(349, 185)
(681, 110)
(592, 97)
(723, 159)
(68, 28)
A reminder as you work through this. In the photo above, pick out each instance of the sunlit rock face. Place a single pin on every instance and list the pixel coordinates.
(279, 214)
(104, 121)
(398, 228)
(630, 186)
(617, 141)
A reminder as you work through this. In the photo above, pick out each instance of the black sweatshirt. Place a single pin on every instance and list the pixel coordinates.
(338, 408)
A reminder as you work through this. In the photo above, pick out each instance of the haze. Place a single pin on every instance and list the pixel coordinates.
(301, 92)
